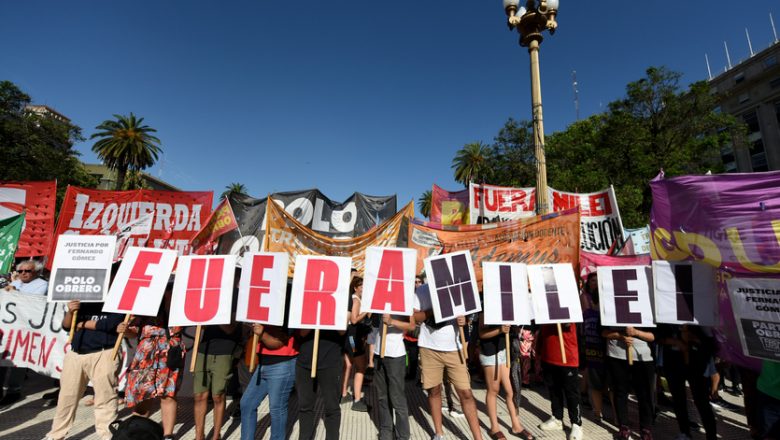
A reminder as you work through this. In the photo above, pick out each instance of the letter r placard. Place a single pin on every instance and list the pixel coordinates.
(554, 293)
(203, 290)
(320, 292)
(139, 284)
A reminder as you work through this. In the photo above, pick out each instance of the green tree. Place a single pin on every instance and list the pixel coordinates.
(513, 160)
(424, 204)
(473, 163)
(233, 188)
(38, 147)
(135, 180)
(126, 144)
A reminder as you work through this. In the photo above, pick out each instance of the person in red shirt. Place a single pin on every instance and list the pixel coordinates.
(561, 377)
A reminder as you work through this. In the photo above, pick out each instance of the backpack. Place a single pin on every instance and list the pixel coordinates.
(136, 428)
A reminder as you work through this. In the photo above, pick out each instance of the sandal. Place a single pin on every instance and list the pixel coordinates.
(524, 434)
(497, 435)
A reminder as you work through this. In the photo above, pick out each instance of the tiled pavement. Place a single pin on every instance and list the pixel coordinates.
(28, 419)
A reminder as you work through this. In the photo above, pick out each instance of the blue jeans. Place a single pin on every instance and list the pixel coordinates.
(274, 381)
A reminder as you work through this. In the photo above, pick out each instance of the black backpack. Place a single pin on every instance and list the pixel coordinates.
(136, 428)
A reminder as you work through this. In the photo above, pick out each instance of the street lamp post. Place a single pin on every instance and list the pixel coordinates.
(530, 21)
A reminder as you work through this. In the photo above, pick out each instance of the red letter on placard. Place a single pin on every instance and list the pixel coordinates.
(138, 278)
(319, 305)
(390, 289)
(258, 286)
(201, 302)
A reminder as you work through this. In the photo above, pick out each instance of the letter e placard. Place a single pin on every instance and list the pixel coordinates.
(624, 293)
(262, 291)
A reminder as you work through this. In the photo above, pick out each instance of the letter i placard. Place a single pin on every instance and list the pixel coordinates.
(505, 294)
(685, 293)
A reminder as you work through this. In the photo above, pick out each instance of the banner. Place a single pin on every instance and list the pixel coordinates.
(624, 296)
(685, 293)
(554, 294)
(176, 215)
(493, 204)
(82, 268)
(449, 207)
(388, 281)
(727, 220)
(203, 291)
(139, 285)
(10, 231)
(37, 200)
(351, 218)
(507, 300)
(285, 234)
(600, 220)
(219, 223)
(637, 241)
(756, 304)
(262, 290)
(454, 290)
(320, 293)
(553, 238)
(589, 261)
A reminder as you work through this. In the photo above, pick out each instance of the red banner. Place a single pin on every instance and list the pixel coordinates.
(38, 200)
(449, 207)
(168, 219)
(220, 222)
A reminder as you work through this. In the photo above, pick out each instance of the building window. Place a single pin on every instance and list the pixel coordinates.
(743, 98)
(758, 156)
(751, 120)
(770, 61)
(775, 83)
(738, 78)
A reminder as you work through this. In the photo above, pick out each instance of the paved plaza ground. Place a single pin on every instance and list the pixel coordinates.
(29, 420)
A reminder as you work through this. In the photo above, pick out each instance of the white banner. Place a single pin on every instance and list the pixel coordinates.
(262, 291)
(453, 285)
(685, 293)
(492, 204)
(203, 290)
(505, 293)
(388, 284)
(139, 284)
(554, 293)
(320, 292)
(81, 268)
(756, 304)
(624, 296)
(600, 224)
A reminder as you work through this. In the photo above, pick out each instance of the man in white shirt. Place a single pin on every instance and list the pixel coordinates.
(27, 280)
(440, 351)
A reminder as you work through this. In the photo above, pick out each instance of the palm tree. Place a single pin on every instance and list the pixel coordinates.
(126, 144)
(233, 188)
(424, 203)
(472, 163)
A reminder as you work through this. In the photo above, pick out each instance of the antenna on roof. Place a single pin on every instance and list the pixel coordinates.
(774, 31)
(707, 60)
(574, 85)
(728, 57)
(750, 45)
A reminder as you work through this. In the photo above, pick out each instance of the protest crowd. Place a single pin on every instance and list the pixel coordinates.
(129, 300)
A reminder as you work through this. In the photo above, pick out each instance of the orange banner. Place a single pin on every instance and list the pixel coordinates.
(285, 234)
(221, 222)
(554, 238)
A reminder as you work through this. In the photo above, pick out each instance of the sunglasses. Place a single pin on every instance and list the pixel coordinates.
(25, 271)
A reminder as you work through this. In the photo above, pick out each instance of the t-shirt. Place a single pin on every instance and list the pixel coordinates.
(769, 379)
(216, 341)
(616, 348)
(443, 336)
(594, 343)
(38, 286)
(329, 351)
(551, 347)
(489, 347)
(394, 340)
(281, 354)
(103, 337)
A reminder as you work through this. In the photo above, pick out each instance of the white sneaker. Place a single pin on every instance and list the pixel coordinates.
(552, 424)
(576, 432)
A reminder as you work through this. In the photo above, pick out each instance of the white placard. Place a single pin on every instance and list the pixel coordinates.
(624, 296)
(685, 293)
(453, 285)
(756, 305)
(554, 293)
(388, 284)
(139, 284)
(203, 290)
(262, 290)
(505, 292)
(82, 268)
(320, 292)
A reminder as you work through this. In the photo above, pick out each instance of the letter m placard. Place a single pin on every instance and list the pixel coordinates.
(453, 285)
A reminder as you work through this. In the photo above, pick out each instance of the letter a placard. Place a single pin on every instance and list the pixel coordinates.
(554, 294)
(505, 290)
(262, 290)
(685, 293)
(624, 293)
(203, 290)
(388, 286)
(453, 285)
(320, 292)
(140, 282)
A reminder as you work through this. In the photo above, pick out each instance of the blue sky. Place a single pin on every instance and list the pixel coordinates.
(344, 95)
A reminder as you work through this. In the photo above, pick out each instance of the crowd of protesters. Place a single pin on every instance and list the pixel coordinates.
(417, 351)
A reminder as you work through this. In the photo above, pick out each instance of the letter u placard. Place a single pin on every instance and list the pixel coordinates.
(203, 290)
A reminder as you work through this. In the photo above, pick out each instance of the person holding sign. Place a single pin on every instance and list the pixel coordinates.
(440, 352)
(355, 346)
(639, 375)
(561, 376)
(89, 360)
(492, 357)
(594, 344)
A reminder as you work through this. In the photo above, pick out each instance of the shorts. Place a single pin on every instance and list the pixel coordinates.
(597, 378)
(493, 359)
(433, 364)
(212, 373)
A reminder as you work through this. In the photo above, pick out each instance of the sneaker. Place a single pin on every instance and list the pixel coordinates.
(682, 436)
(455, 414)
(576, 432)
(437, 437)
(359, 405)
(552, 424)
(623, 434)
(346, 399)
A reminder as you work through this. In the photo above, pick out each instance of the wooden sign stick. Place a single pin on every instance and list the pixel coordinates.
(560, 340)
(630, 351)
(316, 352)
(508, 356)
(384, 338)
(119, 338)
(72, 325)
(255, 341)
(195, 349)
(463, 345)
